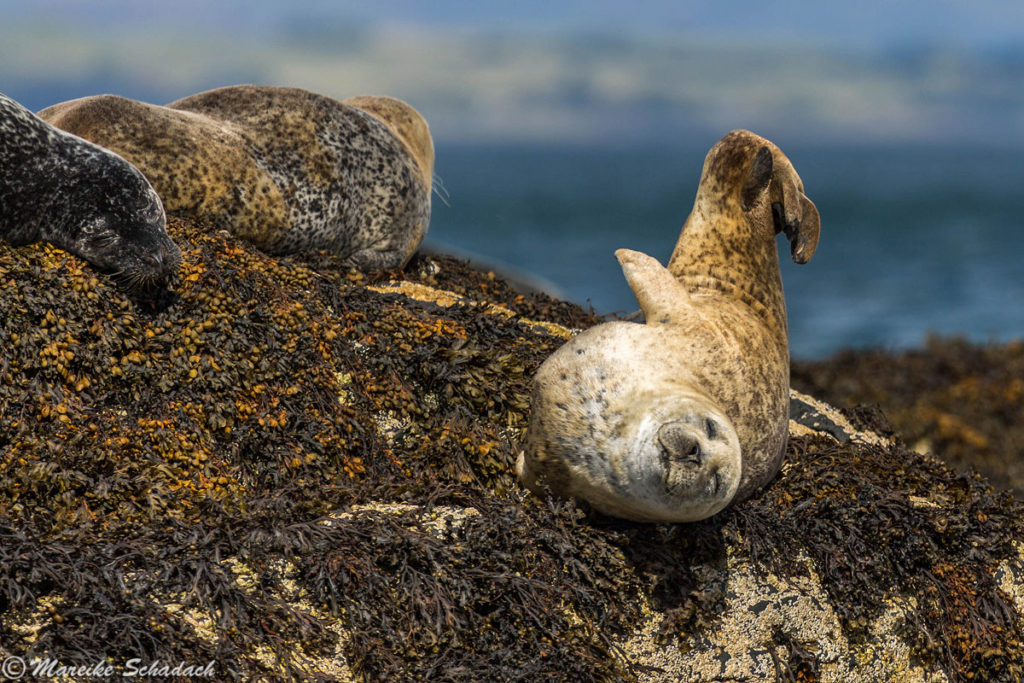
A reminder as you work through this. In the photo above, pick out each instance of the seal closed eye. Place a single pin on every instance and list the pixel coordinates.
(676, 418)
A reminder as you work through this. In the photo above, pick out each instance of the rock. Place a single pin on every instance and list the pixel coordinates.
(962, 402)
(293, 471)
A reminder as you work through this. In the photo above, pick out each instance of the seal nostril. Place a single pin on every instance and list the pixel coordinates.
(679, 443)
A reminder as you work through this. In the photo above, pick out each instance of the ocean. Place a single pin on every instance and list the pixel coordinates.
(914, 239)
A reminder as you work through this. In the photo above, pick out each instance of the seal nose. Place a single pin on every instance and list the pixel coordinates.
(170, 255)
(163, 257)
(679, 444)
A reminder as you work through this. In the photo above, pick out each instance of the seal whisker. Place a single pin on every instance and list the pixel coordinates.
(440, 190)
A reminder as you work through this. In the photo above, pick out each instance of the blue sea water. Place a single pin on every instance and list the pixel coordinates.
(914, 240)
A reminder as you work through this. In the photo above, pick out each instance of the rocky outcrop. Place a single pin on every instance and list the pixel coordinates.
(295, 472)
(962, 402)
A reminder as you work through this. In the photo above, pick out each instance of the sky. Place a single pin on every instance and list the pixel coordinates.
(886, 22)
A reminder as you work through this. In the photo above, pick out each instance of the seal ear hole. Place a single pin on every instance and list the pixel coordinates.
(97, 225)
(758, 177)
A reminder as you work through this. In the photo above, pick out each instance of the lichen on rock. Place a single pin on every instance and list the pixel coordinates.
(304, 473)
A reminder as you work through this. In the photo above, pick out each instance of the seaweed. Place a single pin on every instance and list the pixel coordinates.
(885, 521)
(297, 473)
(960, 401)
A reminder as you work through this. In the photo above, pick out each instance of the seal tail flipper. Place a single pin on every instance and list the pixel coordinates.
(656, 289)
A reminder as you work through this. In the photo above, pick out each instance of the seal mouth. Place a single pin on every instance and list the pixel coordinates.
(714, 484)
(138, 281)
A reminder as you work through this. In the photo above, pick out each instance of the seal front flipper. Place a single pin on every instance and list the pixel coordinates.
(659, 293)
(368, 260)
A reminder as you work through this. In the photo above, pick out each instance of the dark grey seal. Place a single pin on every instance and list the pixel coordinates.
(58, 188)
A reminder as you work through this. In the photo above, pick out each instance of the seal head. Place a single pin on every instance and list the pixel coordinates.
(676, 418)
(406, 123)
(84, 199)
(116, 222)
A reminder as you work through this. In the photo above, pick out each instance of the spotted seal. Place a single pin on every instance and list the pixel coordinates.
(675, 418)
(58, 188)
(286, 169)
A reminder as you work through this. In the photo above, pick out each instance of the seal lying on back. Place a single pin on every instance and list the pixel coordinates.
(286, 169)
(674, 419)
(58, 188)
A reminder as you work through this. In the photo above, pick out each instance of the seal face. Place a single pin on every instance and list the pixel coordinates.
(676, 418)
(286, 169)
(86, 200)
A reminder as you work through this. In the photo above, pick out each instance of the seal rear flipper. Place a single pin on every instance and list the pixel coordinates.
(793, 213)
(758, 178)
(655, 288)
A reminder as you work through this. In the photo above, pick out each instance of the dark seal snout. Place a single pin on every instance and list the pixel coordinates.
(154, 263)
(164, 259)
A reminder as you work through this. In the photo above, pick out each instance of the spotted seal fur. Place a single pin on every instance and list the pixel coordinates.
(675, 418)
(58, 188)
(286, 169)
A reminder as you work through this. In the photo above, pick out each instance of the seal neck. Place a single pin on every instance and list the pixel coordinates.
(725, 251)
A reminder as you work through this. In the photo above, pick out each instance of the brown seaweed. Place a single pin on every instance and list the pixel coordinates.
(243, 455)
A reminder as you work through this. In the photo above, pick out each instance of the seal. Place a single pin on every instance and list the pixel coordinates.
(58, 188)
(286, 169)
(675, 418)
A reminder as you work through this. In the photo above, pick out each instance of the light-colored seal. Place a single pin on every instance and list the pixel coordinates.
(286, 169)
(86, 200)
(673, 419)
